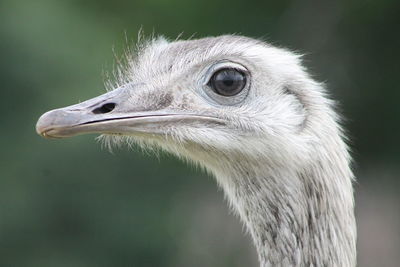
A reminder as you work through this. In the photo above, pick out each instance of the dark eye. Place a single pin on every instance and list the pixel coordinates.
(228, 82)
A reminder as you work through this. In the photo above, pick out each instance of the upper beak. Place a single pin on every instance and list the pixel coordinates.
(113, 112)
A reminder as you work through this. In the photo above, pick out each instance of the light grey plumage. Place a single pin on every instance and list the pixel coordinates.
(275, 147)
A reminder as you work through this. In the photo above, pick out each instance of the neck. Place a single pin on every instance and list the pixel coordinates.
(296, 218)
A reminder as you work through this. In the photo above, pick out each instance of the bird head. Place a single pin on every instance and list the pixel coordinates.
(220, 96)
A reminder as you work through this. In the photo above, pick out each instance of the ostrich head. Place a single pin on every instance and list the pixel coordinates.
(249, 113)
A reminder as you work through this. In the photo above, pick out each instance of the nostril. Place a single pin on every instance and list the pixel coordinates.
(104, 108)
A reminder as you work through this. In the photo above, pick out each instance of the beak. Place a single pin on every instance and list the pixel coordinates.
(112, 113)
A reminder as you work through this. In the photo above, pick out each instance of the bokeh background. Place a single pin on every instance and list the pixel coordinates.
(72, 203)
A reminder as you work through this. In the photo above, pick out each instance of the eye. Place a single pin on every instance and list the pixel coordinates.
(228, 81)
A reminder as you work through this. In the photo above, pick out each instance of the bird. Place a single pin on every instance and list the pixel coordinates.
(252, 115)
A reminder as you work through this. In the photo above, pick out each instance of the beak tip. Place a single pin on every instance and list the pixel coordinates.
(42, 124)
(46, 122)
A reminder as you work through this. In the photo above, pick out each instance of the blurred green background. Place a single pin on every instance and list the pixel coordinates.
(72, 203)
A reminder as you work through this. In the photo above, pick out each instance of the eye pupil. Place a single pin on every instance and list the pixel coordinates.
(228, 82)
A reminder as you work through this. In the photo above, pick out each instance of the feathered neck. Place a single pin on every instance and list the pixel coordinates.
(301, 217)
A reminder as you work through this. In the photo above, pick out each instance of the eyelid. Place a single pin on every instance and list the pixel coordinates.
(245, 74)
(218, 100)
(223, 64)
